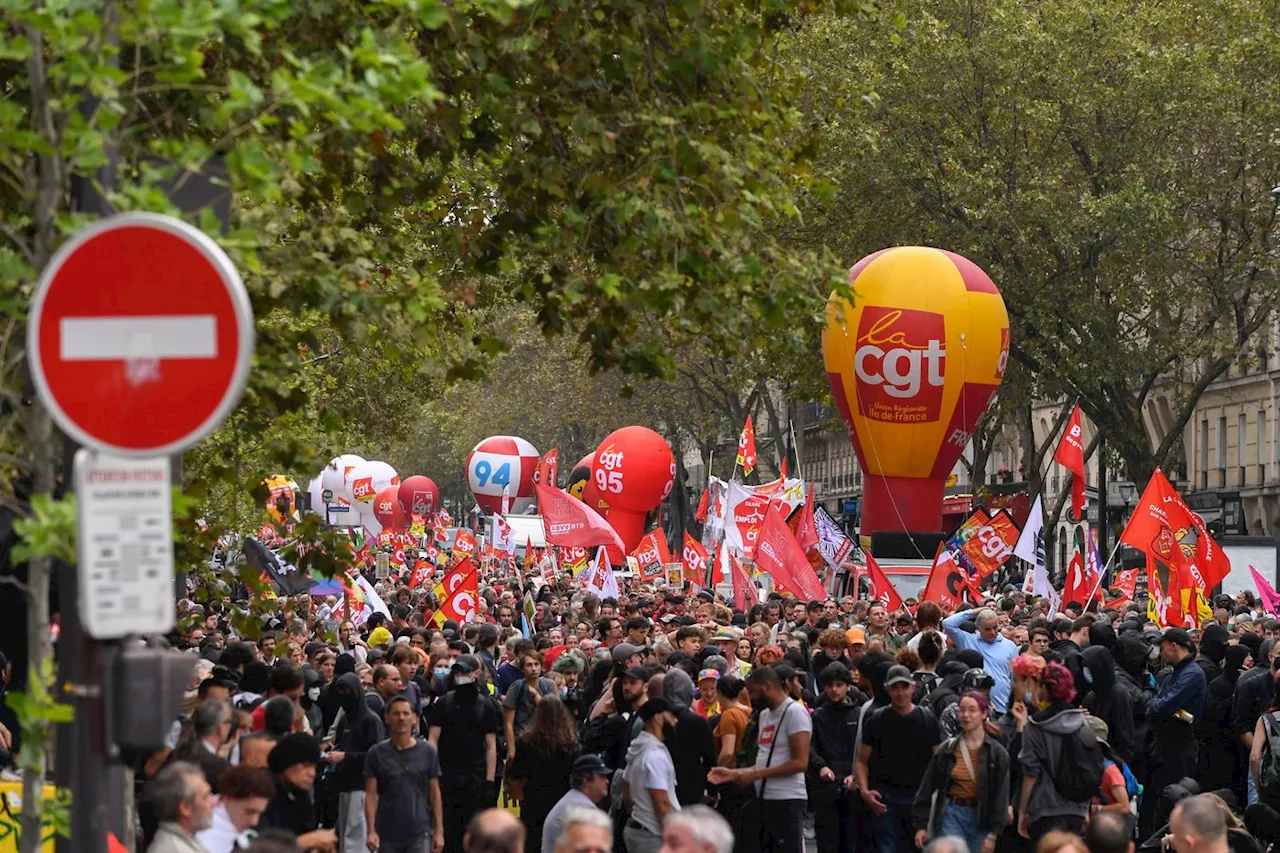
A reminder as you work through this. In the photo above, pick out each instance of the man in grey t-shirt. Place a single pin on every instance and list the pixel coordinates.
(402, 788)
(782, 755)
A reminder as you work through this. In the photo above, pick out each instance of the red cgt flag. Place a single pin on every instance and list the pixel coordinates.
(458, 593)
(652, 554)
(549, 468)
(1162, 516)
(947, 581)
(1070, 455)
(421, 574)
(778, 553)
(695, 559)
(747, 447)
(881, 589)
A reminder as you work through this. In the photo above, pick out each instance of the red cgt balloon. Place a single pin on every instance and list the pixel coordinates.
(386, 508)
(632, 471)
(418, 495)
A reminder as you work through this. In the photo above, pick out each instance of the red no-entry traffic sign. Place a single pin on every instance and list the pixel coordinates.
(140, 335)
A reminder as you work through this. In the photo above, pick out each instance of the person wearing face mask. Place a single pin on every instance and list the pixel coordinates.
(690, 740)
(357, 733)
(649, 783)
(312, 684)
(1109, 701)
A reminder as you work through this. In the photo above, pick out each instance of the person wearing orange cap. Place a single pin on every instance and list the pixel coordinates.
(857, 639)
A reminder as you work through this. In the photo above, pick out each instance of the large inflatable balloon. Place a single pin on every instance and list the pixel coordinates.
(364, 483)
(579, 477)
(386, 508)
(418, 495)
(336, 480)
(282, 498)
(912, 366)
(632, 471)
(498, 462)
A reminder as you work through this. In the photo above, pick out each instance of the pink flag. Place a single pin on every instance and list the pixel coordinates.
(1270, 598)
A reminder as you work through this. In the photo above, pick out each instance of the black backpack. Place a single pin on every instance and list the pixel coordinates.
(1080, 767)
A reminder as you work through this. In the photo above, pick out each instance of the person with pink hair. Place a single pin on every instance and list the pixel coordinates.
(1042, 694)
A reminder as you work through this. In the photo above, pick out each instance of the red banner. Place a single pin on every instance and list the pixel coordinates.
(571, 523)
(695, 560)
(881, 589)
(458, 593)
(947, 581)
(464, 546)
(803, 524)
(1070, 455)
(549, 468)
(1164, 522)
(652, 554)
(781, 556)
(988, 547)
(421, 574)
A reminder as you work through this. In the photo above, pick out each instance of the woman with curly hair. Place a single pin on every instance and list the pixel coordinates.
(544, 758)
(1042, 693)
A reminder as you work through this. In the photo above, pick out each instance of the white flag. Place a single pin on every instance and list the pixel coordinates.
(1030, 545)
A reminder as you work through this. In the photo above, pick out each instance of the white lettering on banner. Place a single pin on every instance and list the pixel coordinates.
(900, 368)
(766, 547)
(992, 545)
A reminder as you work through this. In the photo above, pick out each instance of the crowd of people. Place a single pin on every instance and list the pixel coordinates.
(669, 721)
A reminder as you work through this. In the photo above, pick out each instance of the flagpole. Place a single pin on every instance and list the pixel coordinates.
(795, 448)
(1101, 575)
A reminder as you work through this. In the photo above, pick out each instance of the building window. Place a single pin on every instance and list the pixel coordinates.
(1221, 444)
(1264, 452)
(1241, 433)
(1204, 453)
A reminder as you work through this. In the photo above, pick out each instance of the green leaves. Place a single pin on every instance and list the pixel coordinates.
(49, 530)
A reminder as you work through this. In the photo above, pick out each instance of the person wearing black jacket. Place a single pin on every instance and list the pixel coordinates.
(1220, 758)
(1253, 692)
(1066, 647)
(1109, 701)
(358, 732)
(691, 743)
(1131, 653)
(831, 759)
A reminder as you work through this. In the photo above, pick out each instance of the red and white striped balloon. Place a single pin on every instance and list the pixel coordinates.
(498, 462)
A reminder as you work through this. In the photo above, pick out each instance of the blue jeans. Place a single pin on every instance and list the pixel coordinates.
(1253, 790)
(962, 822)
(893, 828)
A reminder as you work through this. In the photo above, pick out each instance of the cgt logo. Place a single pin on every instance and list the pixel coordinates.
(362, 489)
(900, 363)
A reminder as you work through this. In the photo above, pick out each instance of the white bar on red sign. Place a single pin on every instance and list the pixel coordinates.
(100, 338)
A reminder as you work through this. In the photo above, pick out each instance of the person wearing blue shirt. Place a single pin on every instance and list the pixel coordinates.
(997, 651)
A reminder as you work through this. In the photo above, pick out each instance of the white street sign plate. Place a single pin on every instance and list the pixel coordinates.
(125, 544)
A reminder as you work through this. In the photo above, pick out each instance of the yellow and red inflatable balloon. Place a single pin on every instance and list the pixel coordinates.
(913, 364)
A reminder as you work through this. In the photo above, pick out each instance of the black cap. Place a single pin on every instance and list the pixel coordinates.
(466, 664)
(785, 671)
(296, 748)
(639, 673)
(1179, 637)
(588, 765)
(653, 708)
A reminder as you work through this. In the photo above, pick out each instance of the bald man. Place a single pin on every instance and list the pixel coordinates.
(494, 831)
(1199, 825)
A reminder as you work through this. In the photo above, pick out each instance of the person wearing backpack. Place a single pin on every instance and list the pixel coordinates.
(1118, 791)
(1060, 758)
(1264, 755)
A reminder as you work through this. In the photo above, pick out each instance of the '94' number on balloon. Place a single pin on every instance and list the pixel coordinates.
(609, 481)
(501, 477)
